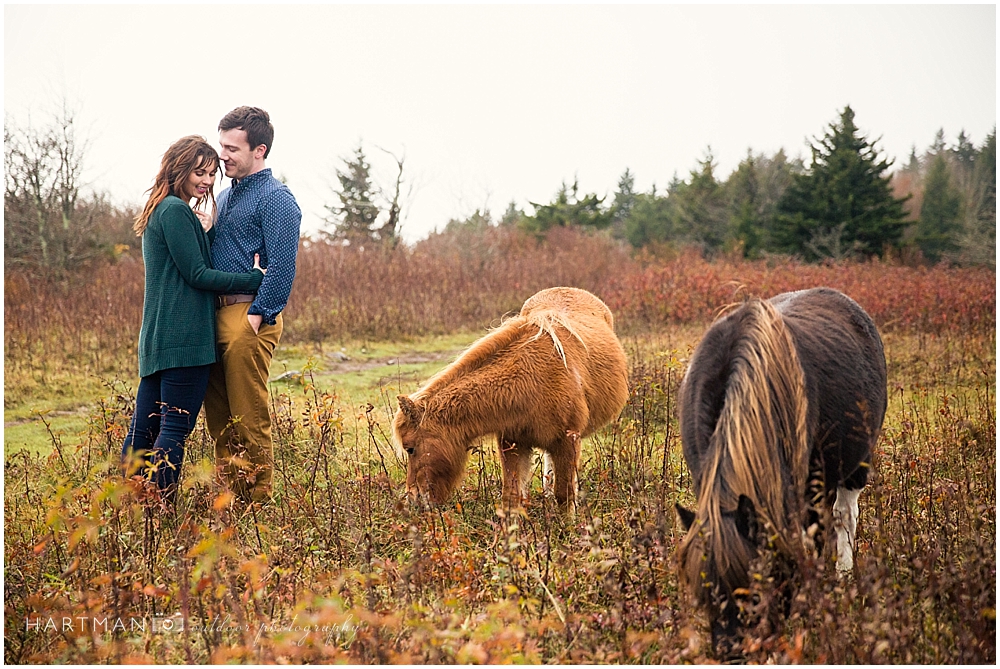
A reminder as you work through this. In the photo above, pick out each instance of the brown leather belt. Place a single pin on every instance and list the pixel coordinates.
(228, 300)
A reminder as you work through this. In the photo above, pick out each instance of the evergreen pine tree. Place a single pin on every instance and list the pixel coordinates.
(566, 210)
(753, 192)
(938, 145)
(354, 217)
(477, 223)
(744, 196)
(512, 215)
(965, 152)
(986, 174)
(625, 198)
(978, 239)
(703, 218)
(913, 162)
(939, 216)
(844, 204)
(652, 219)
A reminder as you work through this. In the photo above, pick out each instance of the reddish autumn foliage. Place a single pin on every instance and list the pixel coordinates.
(468, 280)
(692, 290)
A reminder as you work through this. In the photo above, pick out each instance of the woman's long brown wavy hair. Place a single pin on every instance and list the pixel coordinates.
(183, 157)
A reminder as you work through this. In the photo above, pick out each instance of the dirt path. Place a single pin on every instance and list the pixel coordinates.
(79, 411)
(337, 366)
(334, 366)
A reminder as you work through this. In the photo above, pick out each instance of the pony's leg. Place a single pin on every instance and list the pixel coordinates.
(565, 459)
(548, 474)
(845, 522)
(515, 458)
(812, 531)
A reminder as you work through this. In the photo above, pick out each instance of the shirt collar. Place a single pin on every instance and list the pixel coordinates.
(253, 178)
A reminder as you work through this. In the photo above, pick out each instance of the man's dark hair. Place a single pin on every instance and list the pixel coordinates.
(255, 121)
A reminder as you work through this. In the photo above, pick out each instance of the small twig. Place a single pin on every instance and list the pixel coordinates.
(56, 441)
(552, 598)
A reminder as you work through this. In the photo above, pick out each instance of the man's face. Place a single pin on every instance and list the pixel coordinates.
(238, 158)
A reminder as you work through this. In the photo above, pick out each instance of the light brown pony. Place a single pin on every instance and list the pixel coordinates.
(544, 379)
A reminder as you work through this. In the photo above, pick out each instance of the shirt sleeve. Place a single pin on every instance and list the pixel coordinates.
(280, 222)
(180, 231)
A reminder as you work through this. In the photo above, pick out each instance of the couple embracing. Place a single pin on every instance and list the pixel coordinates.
(218, 275)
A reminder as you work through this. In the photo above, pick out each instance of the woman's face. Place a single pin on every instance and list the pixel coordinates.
(199, 181)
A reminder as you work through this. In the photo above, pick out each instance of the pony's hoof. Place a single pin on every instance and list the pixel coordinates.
(568, 510)
(512, 507)
(845, 565)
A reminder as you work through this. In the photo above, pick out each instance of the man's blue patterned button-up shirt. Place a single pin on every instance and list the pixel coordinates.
(258, 214)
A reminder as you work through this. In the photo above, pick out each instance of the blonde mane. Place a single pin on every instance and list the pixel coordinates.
(759, 448)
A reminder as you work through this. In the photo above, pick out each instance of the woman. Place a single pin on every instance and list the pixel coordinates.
(177, 339)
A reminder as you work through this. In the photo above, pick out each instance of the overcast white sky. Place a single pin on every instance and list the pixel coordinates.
(494, 103)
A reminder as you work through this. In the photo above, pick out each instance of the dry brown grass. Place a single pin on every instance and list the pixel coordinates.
(377, 580)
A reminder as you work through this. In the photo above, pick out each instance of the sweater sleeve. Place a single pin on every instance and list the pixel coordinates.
(180, 231)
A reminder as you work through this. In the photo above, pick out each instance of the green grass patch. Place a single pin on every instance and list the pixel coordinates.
(33, 436)
(372, 371)
(362, 371)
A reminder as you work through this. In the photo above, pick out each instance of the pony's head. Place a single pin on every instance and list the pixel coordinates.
(435, 460)
(714, 560)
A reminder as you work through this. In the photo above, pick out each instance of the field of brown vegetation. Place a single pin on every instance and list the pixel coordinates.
(468, 278)
(342, 568)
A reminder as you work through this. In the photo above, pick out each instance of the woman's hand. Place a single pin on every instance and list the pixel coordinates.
(256, 319)
(205, 218)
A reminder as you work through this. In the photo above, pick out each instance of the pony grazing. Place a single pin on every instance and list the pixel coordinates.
(544, 379)
(780, 407)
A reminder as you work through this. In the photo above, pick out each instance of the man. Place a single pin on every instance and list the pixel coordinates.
(256, 214)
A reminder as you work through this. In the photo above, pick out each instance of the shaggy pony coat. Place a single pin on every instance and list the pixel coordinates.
(781, 405)
(544, 379)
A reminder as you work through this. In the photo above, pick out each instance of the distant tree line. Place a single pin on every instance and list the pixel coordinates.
(845, 203)
(954, 199)
(941, 205)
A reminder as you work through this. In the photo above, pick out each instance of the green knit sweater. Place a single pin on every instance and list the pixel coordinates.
(178, 311)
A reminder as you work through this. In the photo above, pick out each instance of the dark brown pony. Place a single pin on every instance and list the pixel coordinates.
(776, 390)
(544, 379)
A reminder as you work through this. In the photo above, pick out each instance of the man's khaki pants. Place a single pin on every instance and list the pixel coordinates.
(237, 402)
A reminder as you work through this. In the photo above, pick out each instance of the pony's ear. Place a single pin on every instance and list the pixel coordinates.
(410, 409)
(687, 517)
(746, 519)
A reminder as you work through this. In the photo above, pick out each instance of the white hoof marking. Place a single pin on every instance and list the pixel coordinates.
(845, 522)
